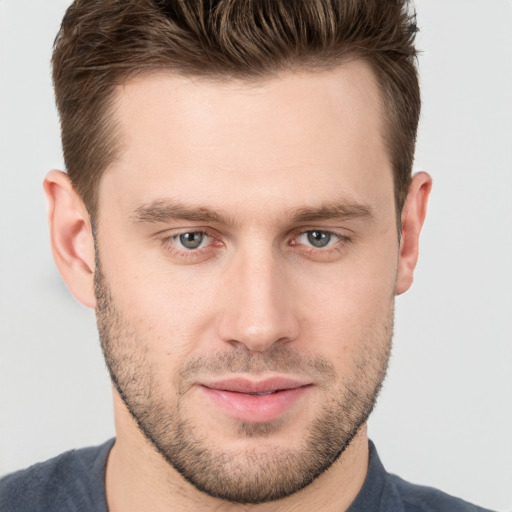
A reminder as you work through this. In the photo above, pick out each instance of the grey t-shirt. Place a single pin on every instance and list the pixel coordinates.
(75, 482)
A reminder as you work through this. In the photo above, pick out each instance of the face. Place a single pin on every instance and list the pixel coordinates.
(247, 255)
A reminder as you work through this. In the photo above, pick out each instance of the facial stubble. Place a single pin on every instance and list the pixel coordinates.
(255, 474)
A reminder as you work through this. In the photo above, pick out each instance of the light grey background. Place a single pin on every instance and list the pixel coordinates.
(445, 415)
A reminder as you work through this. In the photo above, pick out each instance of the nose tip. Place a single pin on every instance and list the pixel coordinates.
(259, 338)
(258, 311)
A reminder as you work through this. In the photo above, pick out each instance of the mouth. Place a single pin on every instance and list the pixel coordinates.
(256, 401)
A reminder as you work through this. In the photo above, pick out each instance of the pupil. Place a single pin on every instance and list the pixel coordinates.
(191, 240)
(319, 238)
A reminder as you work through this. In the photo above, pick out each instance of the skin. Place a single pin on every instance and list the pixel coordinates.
(255, 155)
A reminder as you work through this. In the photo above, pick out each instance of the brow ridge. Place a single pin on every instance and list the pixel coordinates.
(165, 210)
(337, 210)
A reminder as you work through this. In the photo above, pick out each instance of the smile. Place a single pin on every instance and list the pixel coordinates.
(256, 401)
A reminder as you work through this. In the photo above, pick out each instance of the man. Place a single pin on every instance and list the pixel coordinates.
(239, 211)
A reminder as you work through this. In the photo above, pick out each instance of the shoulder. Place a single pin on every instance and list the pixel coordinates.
(384, 491)
(419, 498)
(70, 481)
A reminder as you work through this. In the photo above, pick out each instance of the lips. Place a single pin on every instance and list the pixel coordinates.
(256, 401)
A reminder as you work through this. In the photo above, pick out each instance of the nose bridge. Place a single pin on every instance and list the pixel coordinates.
(258, 311)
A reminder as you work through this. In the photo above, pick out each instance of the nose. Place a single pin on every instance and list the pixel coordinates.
(257, 305)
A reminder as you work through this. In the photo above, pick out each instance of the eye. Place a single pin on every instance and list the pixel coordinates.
(318, 238)
(192, 240)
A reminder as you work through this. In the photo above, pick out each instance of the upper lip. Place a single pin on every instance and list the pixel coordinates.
(245, 385)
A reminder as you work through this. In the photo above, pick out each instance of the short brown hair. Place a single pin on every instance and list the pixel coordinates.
(102, 43)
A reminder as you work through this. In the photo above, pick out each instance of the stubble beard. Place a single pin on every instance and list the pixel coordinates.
(253, 475)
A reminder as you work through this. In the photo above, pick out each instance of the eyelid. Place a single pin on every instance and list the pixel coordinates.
(337, 233)
(167, 240)
(175, 240)
(330, 243)
(331, 252)
(168, 233)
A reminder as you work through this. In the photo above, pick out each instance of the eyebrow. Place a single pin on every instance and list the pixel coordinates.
(165, 210)
(343, 209)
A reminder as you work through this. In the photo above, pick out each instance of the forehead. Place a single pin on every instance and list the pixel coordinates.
(297, 134)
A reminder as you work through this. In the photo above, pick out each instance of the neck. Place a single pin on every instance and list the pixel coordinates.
(138, 478)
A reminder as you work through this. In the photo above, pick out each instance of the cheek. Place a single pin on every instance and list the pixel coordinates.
(351, 304)
(170, 311)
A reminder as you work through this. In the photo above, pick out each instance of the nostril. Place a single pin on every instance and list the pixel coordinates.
(259, 344)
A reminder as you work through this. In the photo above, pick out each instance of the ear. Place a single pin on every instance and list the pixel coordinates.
(71, 236)
(413, 216)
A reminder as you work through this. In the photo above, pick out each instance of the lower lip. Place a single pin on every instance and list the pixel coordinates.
(253, 408)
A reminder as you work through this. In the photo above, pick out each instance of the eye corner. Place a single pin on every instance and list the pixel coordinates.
(335, 244)
(192, 240)
(319, 238)
(189, 245)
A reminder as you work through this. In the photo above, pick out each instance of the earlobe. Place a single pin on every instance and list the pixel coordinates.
(413, 216)
(71, 236)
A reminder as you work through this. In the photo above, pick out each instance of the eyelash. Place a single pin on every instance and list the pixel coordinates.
(338, 246)
(169, 244)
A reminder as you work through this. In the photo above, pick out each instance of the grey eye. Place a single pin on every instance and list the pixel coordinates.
(319, 238)
(192, 240)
